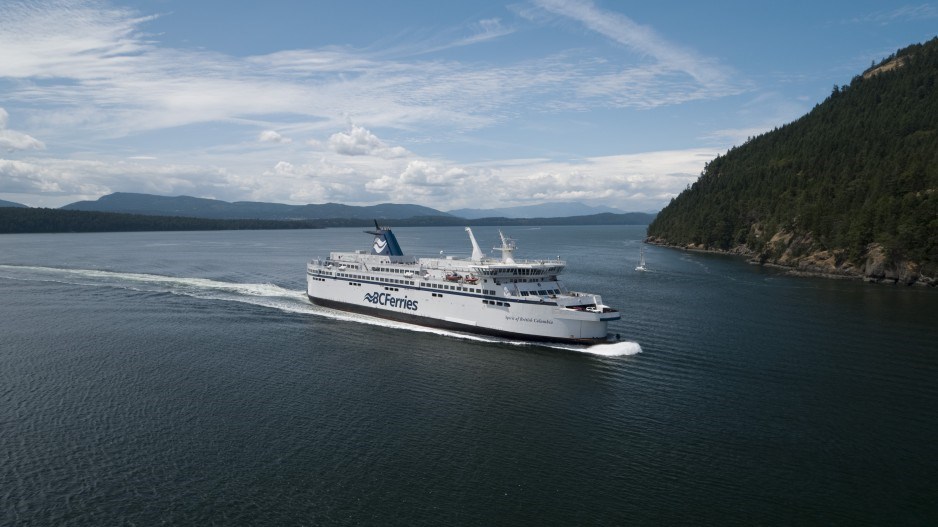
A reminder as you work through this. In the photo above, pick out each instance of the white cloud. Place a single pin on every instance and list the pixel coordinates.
(270, 136)
(427, 183)
(631, 182)
(13, 140)
(107, 79)
(81, 65)
(643, 181)
(68, 39)
(900, 14)
(645, 41)
(360, 142)
(72, 180)
(483, 31)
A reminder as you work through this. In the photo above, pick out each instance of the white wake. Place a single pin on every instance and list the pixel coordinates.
(265, 295)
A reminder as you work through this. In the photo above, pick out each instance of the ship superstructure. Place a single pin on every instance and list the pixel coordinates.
(523, 299)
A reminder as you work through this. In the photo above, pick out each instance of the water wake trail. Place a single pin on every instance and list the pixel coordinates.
(269, 296)
(612, 349)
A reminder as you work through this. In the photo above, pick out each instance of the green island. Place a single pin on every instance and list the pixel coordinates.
(848, 190)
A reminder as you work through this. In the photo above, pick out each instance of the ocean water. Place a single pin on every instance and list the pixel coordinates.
(183, 378)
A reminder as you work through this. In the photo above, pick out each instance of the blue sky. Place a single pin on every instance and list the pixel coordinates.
(446, 104)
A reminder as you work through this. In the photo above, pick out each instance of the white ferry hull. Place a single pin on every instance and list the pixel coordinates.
(515, 319)
(518, 299)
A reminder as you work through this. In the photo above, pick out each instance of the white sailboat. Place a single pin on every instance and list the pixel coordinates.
(641, 263)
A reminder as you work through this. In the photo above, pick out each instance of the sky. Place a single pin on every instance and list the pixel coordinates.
(449, 105)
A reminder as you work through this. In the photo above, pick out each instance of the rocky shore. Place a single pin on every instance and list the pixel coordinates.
(798, 256)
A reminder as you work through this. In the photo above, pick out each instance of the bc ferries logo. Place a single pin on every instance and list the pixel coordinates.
(380, 245)
(384, 299)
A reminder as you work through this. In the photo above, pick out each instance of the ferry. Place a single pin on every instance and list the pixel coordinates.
(504, 297)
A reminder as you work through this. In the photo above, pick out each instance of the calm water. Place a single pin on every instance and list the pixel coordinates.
(183, 378)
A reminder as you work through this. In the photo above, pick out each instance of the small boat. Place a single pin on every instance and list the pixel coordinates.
(453, 277)
(471, 279)
(641, 263)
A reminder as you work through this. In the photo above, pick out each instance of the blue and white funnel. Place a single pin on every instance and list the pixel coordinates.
(385, 242)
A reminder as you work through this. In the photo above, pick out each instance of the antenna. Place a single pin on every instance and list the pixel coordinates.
(507, 248)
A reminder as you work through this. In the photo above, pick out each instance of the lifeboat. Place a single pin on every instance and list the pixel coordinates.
(471, 279)
(453, 277)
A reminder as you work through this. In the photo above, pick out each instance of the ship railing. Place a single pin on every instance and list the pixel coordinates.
(518, 262)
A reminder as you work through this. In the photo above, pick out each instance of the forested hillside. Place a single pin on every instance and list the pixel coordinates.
(850, 188)
(38, 220)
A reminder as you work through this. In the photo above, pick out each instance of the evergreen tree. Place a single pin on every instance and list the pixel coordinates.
(860, 168)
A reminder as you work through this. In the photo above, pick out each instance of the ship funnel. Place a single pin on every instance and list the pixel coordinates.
(385, 242)
(476, 251)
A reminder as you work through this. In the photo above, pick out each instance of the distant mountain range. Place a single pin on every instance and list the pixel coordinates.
(187, 206)
(5, 203)
(544, 210)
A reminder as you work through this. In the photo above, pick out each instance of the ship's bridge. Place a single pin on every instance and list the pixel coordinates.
(546, 270)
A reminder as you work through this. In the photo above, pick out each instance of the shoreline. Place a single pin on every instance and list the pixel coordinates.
(807, 266)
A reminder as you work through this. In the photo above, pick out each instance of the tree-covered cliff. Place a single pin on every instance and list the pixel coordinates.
(849, 188)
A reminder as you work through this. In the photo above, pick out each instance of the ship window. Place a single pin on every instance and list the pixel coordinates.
(507, 304)
(524, 293)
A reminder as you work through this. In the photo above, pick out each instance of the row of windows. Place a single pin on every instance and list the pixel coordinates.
(390, 270)
(375, 279)
(496, 303)
(447, 287)
(541, 292)
(460, 288)
(520, 271)
(524, 280)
